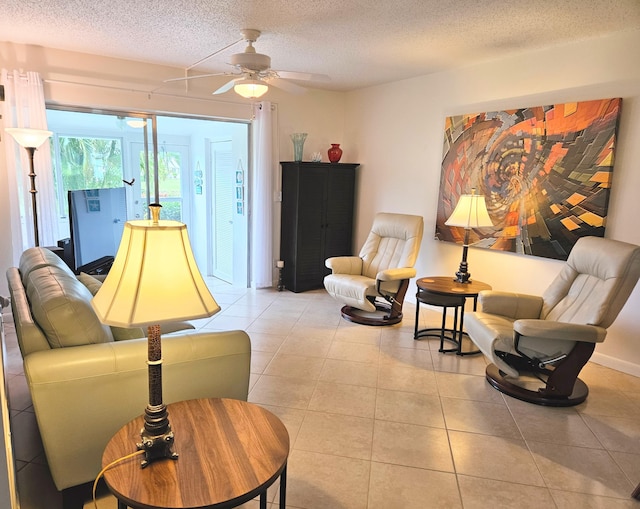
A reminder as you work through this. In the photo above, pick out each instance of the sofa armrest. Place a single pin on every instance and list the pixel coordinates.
(82, 395)
(396, 274)
(547, 329)
(344, 264)
(511, 305)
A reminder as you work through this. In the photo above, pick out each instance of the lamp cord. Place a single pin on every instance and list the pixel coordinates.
(110, 465)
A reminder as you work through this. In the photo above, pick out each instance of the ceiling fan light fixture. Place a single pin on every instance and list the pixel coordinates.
(250, 88)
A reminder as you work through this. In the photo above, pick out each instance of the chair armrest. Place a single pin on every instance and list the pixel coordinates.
(396, 274)
(344, 264)
(82, 395)
(511, 305)
(547, 329)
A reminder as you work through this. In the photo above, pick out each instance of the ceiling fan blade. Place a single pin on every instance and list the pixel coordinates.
(226, 87)
(287, 86)
(194, 77)
(303, 76)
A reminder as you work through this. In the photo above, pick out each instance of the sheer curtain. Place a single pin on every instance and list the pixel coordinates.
(262, 268)
(24, 106)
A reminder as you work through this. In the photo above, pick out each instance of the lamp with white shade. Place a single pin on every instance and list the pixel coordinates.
(154, 279)
(470, 212)
(31, 139)
(250, 88)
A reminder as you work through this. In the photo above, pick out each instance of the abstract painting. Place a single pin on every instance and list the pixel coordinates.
(545, 173)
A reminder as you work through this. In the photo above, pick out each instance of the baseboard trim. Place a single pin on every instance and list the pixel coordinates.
(614, 363)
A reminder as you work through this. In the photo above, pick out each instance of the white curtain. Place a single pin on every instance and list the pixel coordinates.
(24, 106)
(262, 199)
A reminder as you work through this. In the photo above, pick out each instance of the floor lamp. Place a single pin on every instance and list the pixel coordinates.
(31, 139)
(154, 279)
(470, 212)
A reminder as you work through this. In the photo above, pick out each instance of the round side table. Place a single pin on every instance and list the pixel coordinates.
(230, 452)
(447, 293)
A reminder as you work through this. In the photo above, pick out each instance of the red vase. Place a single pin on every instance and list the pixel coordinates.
(335, 152)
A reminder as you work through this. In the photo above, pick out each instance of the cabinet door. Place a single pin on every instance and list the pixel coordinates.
(339, 212)
(311, 227)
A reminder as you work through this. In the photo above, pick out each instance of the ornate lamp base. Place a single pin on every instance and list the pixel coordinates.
(156, 436)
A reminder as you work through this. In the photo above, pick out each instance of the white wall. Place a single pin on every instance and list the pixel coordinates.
(396, 132)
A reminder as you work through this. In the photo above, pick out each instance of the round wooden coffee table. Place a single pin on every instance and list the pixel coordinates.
(230, 452)
(447, 293)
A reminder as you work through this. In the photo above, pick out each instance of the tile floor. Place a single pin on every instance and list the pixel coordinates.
(380, 421)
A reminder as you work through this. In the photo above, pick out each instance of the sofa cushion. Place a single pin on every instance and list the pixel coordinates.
(61, 305)
(37, 257)
(119, 333)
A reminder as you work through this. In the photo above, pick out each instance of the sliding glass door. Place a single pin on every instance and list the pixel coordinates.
(104, 150)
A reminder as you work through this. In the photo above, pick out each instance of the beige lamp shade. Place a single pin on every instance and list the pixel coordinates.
(27, 137)
(470, 212)
(250, 88)
(154, 278)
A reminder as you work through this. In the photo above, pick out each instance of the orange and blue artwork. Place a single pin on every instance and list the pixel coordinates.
(545, 173)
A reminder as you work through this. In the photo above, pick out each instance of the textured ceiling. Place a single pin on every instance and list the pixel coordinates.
(356, 42)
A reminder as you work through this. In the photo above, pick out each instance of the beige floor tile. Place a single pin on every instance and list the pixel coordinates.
(479, 493)
(555, 425)
(341, 435)
(291, 417)
(349, 372)
(497, 458)
(344, 399)
(398, 377)
(395, 486)
(281, 391)
(401, 338)
(410, 408)
(452, 363)
(569, 500)
(305, 330)
(259, 361)
(595, 375)
(406, 357)
(360, 334)
(302, 345)
(630, 465)
(462, 386)
(411, 445)
(579, 469)
(323, 481)
(295, 366)
(25, 436)
(605, 401)
(266, 342)
(358, 352)
(479, 417)
(228, 322)
(619, 434)
(281, 326)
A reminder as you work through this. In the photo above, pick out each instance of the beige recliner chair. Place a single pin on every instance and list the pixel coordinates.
(373, 284)
(553, 336)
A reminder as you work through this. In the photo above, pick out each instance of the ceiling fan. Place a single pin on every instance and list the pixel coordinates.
(253, 73)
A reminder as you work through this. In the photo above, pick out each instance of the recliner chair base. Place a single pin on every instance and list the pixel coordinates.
(501, 382)
(382, 315)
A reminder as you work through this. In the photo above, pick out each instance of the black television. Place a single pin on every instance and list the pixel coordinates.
(96, 223)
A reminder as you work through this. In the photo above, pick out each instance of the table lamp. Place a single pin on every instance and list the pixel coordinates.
(470, 212)
(31, 139)
(154, 279)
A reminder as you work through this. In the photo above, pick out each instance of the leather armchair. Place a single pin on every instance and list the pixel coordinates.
(553, 336)
(373, 284)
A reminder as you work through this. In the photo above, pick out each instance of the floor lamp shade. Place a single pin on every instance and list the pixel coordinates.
(470, 212)
(31, 139)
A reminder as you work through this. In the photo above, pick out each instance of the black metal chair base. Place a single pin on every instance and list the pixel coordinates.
(499, 381)
(380, 317)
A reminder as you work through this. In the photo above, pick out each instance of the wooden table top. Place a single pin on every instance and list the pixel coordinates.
(229, 450)
(446, 285)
